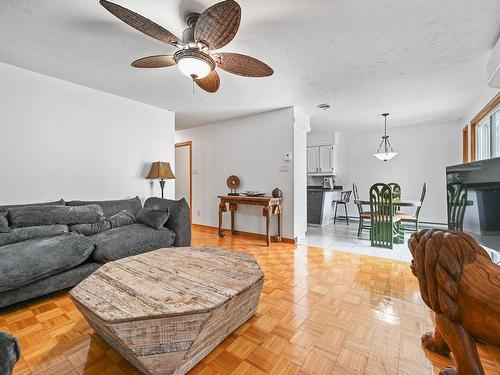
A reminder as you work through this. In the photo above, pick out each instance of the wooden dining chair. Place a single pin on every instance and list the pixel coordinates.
(385, 225)
(363, 215)
(457, 203)
(413, 219)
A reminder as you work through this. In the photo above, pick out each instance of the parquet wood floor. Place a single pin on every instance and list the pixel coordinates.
(321, 312)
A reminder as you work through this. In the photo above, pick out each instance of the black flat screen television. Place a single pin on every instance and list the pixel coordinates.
(482, 218)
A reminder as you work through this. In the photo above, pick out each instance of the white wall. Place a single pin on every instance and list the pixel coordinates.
(253, 149)
(424, 152)
(182, 173)
(61, 140)
(301, 127)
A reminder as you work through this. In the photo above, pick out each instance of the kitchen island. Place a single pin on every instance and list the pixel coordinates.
(319, 204)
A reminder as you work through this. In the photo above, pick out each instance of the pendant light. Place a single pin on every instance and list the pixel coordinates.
(385, 151)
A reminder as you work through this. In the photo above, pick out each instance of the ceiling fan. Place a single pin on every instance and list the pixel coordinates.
(206, 32)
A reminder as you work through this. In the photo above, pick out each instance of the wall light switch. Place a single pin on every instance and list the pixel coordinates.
(194, 171)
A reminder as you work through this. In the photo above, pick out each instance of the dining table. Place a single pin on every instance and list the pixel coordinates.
(397, 202)
(401, 202)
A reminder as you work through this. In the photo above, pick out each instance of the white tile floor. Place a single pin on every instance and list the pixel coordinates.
(344, 237)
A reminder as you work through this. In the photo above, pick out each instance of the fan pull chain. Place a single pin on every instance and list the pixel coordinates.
(193, 77)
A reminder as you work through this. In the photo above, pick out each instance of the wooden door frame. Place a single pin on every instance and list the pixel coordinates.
(465, 144)
(189, 144)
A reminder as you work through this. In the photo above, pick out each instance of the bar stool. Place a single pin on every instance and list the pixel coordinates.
(345, 196)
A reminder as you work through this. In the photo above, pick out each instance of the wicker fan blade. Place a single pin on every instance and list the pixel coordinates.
(141, 23)
(161, 61)
(242, 65)
(210, 83)
(218, 25)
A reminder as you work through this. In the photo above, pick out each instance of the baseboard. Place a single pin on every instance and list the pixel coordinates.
(259, 236)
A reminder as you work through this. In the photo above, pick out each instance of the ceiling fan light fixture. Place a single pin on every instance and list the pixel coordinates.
(194, 63)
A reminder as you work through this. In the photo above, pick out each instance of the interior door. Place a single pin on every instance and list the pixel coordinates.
(183, 183)
(312, 160)
(326, 158)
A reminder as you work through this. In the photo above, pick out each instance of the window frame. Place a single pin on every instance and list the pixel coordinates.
(465, 143)
(478, 119)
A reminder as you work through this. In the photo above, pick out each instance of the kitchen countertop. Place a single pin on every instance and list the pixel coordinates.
(320, 188)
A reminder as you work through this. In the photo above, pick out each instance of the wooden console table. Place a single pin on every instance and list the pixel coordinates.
(271, 206)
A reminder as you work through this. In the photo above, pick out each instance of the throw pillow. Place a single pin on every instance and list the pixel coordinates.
(4, 223)
(30, 216)
(118, 220)
(27, 233)
(90, 228)
(121, 219)
(153, 218)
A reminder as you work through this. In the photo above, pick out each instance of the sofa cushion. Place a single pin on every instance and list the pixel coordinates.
(118, 220)
(130, 240)
(91, 228)
(48, 215)
(24, 262)
(27, 233)
(110, 208)
(4, 223)
(50, 284)
(5, 208)
(153, 218)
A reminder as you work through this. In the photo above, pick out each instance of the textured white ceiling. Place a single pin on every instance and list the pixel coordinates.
(421, 60)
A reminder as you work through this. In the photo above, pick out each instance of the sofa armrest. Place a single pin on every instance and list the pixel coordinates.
(179, 220)
(9, 353)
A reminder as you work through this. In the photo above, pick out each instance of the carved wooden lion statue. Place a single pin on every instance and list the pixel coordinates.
(461, 284)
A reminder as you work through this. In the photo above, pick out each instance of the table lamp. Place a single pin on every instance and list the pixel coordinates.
(160, 170)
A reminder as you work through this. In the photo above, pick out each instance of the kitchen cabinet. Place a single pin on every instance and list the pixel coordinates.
(319, 205)
(321, 160)
(312, 159)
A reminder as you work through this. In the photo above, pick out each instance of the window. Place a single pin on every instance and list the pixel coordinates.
(485, 131)
(483, 140)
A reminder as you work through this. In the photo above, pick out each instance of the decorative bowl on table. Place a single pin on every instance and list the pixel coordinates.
(253, 193)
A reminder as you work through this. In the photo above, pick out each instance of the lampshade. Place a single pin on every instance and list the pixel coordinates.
(194, 63)
(385, 155)
(191, 66)
(160, 169)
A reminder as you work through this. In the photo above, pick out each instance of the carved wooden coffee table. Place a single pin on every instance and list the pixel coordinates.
(166, 310)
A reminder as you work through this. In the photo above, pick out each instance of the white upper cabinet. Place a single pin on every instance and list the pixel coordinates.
(321, 160)
(312, 159)
(326, 159)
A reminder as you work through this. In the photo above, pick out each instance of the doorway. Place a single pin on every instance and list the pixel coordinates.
(183, 172)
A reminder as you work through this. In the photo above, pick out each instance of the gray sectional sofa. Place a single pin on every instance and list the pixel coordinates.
(48, 247)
